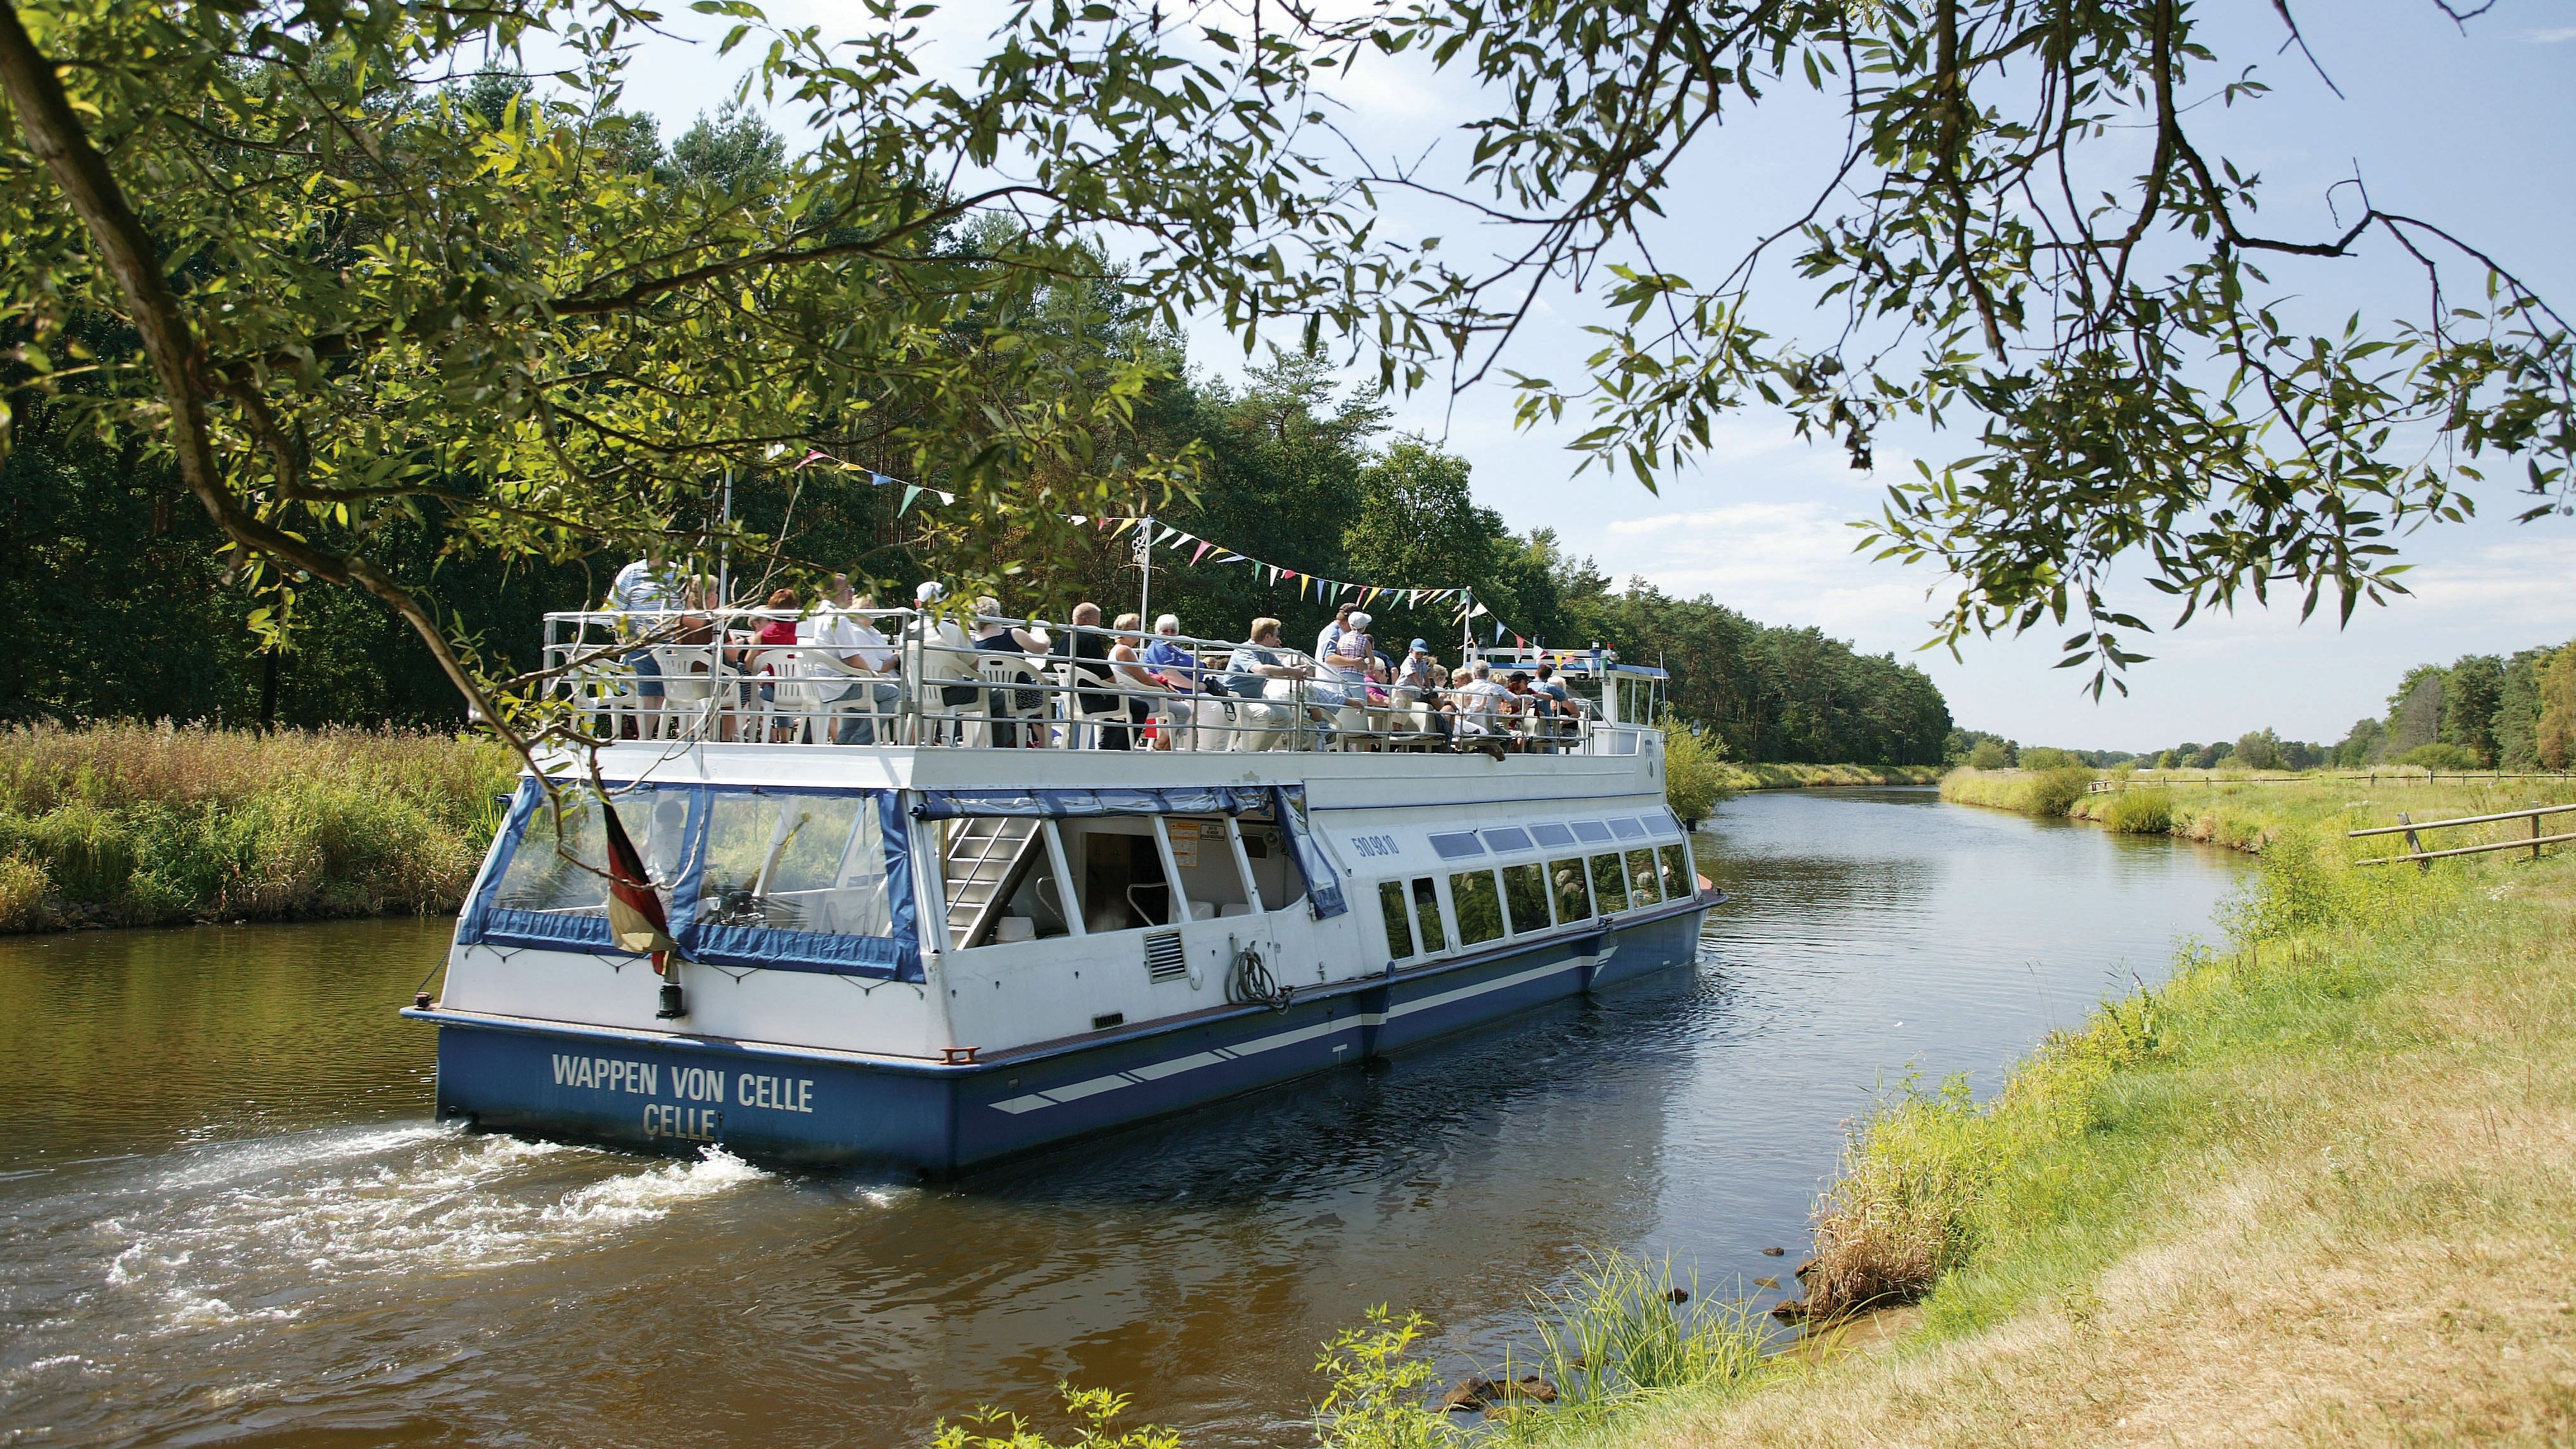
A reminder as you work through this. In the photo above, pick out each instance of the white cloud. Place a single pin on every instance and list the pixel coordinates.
(2550, 35)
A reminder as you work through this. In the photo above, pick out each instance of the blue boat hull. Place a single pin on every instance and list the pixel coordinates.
(784, 1105)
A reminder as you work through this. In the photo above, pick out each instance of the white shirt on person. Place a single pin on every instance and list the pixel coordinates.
(845, 634)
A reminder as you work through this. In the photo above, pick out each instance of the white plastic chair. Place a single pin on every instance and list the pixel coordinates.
(1082, 726)
(930, 668)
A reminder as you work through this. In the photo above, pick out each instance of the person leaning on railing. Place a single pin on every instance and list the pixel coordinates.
(1255, 664)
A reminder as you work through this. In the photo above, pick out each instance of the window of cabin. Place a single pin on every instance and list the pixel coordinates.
(1426, 915)
(566, 874)
(1609, 883)
(1525, 895)
(1573, 896)
(794, 862)
(1123, 887)
(1641, 878)
(1478, 902)
(1678, 881)
(1399, 932)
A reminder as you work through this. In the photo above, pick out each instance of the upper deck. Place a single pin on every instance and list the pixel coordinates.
(908, 698)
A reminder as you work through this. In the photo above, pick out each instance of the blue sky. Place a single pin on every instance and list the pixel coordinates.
(2476, 130)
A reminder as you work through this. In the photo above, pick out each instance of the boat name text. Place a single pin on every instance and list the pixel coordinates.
(688, 1084)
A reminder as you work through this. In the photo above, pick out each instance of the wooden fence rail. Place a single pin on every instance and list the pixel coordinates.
(2424, 858)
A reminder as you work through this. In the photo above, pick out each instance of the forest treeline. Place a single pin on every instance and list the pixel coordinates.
(2511, 712)
(122, 606)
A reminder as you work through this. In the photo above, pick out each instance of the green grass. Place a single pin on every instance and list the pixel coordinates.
(1607, 1346)
(1811, 777)
(2243, 815)
(2245, 812)
(2048, 793)
(131, 824)
(2213, 1207)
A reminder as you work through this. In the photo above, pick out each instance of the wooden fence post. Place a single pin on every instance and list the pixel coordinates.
(2413, 845)
(2535, 832)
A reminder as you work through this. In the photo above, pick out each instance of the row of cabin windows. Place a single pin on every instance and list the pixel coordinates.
(1524, 899)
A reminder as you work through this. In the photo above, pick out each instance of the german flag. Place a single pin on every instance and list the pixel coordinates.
(635, 916)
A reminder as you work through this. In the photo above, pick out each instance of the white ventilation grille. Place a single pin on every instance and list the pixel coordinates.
(1164, 957)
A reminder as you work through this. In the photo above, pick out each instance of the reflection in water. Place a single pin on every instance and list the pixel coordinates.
(225, 1213)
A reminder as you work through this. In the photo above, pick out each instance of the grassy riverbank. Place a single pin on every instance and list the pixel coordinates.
(2321, 1186)
(129, 824)
(2318, 1187)
(1809, 777)
(2248, 814)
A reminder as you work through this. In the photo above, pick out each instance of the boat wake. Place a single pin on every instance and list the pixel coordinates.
(272, 1231)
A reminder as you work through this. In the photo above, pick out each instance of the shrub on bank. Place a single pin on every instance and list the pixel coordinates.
(1695, 772)
(131, 824)
(2139, 812)
(2049, 794)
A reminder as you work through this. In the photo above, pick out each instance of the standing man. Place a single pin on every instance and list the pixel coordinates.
(647, 586)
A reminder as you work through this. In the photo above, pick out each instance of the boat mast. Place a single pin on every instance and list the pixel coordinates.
(1145, 562)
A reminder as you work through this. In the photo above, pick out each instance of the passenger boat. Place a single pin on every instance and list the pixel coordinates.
(938, 951)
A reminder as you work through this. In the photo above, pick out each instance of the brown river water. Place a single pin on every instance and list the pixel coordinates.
(227, 1218)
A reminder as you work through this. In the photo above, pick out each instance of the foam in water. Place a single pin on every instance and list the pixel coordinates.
(253, 1231)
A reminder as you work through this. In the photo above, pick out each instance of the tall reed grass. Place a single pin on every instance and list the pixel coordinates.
(135, 824)
(1618, 1337)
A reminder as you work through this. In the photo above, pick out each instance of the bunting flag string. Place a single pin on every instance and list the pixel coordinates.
(1163, 535)
(911, 490)
(1308, 585)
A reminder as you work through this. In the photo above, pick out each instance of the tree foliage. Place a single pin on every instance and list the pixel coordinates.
(345, 292)
(2125, 341)
(378, 306)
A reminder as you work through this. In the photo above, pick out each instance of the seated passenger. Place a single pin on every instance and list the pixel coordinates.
(1083, 651)
(938, 653)
(1479, 700)
(1181, 672)
(769, 659)
(1258, 660)
(852, 660)
(992, 636)
(1250, 672)
(1127, 671)
(1414, 674)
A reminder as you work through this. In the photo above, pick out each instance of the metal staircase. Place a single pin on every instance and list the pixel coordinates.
(985, 859)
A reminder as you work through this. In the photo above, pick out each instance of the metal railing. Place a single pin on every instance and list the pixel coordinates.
(924, 679)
